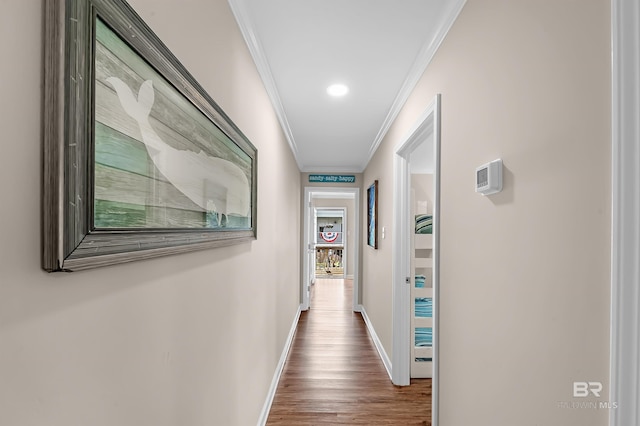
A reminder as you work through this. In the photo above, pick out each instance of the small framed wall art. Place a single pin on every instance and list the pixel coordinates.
(372, 215)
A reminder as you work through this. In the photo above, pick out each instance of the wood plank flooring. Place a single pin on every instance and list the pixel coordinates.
(333, 374)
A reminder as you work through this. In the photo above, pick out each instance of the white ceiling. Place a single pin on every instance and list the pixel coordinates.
(379, 48)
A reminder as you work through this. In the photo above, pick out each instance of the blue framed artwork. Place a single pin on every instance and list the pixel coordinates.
(372, 215)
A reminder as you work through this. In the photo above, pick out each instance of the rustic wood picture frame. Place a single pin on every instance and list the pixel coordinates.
(79, 232)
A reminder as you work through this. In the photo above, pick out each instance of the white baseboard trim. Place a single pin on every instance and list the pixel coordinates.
(264, 415)
(372, 332)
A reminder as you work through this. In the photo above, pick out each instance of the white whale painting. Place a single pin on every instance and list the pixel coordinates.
(158, 159)
(189, 172)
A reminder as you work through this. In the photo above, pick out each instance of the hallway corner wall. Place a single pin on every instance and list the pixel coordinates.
(179, 340)
(524, 274)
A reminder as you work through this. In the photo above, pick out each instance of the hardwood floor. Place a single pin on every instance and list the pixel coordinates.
(333, 374)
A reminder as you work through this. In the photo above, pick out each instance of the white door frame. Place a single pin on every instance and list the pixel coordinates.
(309, 192)
(426, 126)
(625, 218)
(342, 212)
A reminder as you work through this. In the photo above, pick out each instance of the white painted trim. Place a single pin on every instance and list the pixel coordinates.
(245, 23)
(400, 268)
(333, 196)
(424, 58)
(332, 169)
(625, 218)
(306, 214)
(426, 125)
(342, 211)
(332, 211)
(266, 408)
(345, 241)
(376, 340)
(421, 63)
(355, 192)
(435, 383)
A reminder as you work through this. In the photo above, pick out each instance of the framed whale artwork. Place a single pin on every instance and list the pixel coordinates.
(139, 161)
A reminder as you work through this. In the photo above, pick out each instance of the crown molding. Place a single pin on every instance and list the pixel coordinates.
(339, 169)
(418, 68)
(247, 28)
(423, 59)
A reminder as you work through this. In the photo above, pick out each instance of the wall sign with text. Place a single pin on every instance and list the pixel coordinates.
(332, 178)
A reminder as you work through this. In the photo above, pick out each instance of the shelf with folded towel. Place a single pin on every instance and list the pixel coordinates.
(423, 339)
(423, 307)
(422, 281)
(422, 298)
(424, 224)
(423, 354)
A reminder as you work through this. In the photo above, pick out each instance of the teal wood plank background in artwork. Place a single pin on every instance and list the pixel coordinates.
(118, 151)
(130, 189)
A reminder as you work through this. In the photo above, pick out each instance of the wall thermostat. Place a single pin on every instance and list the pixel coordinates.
(489, 178)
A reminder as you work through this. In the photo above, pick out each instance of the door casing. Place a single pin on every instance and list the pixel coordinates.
(427, 126)
(310, 193)
(624, 357)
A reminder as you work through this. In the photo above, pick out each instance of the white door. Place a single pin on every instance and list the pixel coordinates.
(311, 255)
(314, 242)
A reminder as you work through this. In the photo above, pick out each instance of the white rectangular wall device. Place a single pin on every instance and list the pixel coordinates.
(489, 178)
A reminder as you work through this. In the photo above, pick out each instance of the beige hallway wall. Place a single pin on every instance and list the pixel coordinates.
(524, 309)
(182, 340)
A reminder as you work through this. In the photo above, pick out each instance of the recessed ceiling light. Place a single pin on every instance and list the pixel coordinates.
(337, 90)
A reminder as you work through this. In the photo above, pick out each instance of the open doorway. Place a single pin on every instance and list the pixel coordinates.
(421, 196)
(416, 275)
(322, 208)
(332, 260)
